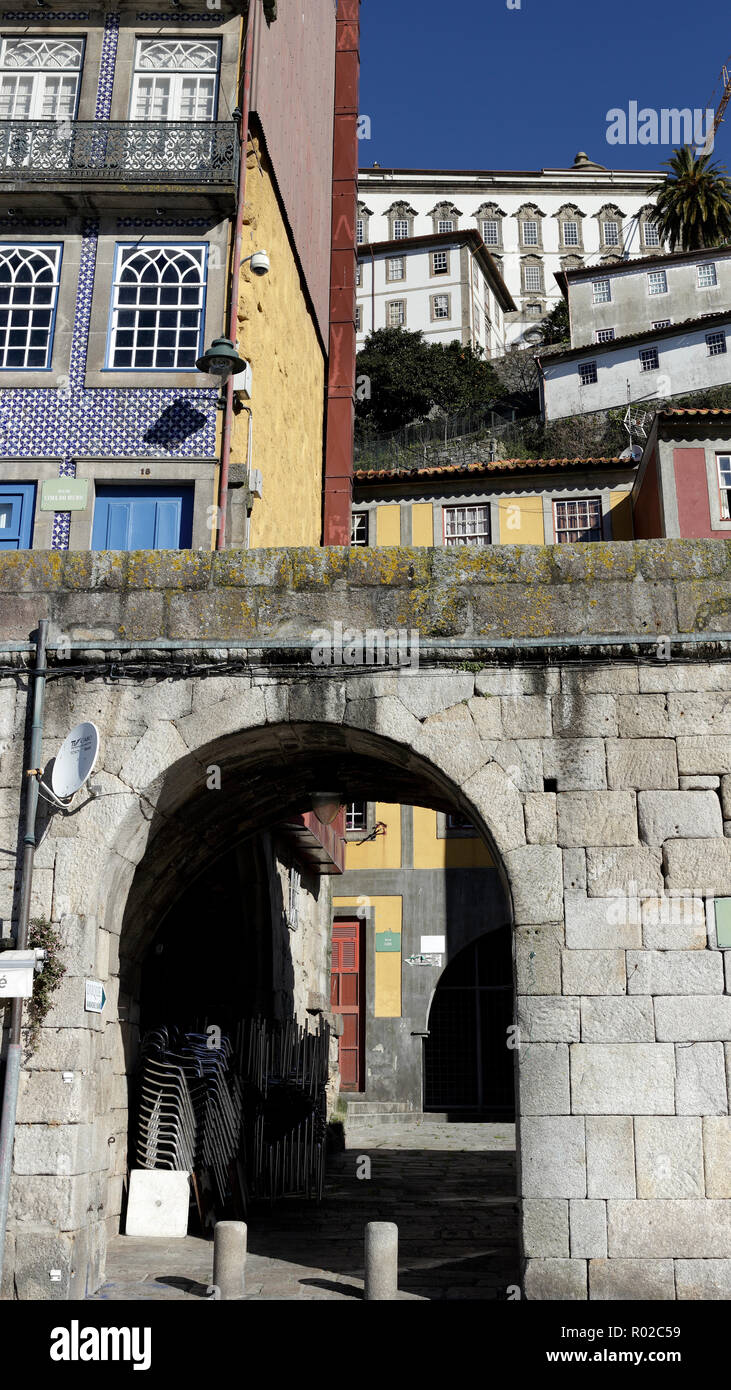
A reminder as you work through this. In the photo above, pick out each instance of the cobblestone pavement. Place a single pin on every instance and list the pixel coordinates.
(450, 1188)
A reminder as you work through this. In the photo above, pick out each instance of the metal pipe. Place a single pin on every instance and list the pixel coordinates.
(429, 643)
(12, 1068)
(235, 273)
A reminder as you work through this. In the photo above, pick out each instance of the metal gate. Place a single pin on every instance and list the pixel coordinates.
(468, 1066)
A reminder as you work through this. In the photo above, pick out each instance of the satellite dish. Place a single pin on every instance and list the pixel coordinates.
(75, 759)
(634, 454)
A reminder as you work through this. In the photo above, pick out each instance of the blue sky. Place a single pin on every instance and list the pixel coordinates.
(471, 84)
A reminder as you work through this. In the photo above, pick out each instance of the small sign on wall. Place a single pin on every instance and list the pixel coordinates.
(64, 494)
(723, 923)
(433, 945)
(388, 940)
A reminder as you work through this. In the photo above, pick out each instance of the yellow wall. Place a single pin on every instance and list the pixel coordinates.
(388, 525)
(385, 851)
(621, 513)
(277, 335)
(521, 521)
(430, 852)
(388, 915)
(422, 523)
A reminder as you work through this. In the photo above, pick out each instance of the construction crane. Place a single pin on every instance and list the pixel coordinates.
(719, 104)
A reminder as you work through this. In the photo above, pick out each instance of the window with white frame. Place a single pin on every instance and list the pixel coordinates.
(716, 343)
(175, 80)
(396, 313)
(440, 306)
(587, 374)
(530, 233)
(578, 519)
(359, 274)
(707, 277)
(359, 318)
(661, 323)
(491, 232)
(650, 234)
(445, 224)
(157, 307)
(649, 360)
(396, 268)
(532, 278)
(356, 815)
(604, 335)
(400, 228)
(570, 233)
(657, 282)
(29, 277)
(601, 291)
(467, 525)
(723, 464)
(359, 230)
(610, 231)
(440, 263)
(359, 528)
(39, 78)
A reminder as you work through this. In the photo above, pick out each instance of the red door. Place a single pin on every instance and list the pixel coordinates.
(345, 998)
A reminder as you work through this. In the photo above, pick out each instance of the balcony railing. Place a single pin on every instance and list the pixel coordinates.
(125, 152)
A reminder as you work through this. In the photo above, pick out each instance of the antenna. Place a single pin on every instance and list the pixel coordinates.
(75, 760)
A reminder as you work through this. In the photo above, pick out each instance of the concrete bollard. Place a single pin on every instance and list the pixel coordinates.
(381, 1260)
(229, 1258)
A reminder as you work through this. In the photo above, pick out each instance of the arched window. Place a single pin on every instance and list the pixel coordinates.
(28, 289)
(157, 308)
(175, 80)
(39, 78)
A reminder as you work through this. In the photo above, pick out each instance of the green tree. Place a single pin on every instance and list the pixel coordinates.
(693, 210)
(555, 326)
(402, 378)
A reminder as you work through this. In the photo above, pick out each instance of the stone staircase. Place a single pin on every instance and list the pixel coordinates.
(368, 1116)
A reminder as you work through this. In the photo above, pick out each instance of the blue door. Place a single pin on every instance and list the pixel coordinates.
(17, 503)
(142, 518)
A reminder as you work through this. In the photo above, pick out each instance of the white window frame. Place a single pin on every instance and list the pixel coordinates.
(533, 224)
(359, 318)
(649, 359)
(358, 528)
(607, 240)
(716, 343)
(401, 229)
(571, 222)
(650, 234)
(491, 222)
(723, 466)
(445, 224)
(40, 76)
(595, 503)
(443, 268)
(438, 317)
(584, 367)
(176, 76)
(392, 304)
(601, 291)
(529, 272)
(660, 277)
(356, 816)
(604, 335)
(22, 252)
(713, 281)
(476, 524)
(390, 262)
(661, 323)
(197, 252)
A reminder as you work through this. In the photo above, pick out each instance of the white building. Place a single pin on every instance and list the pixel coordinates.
(648, 329)
(535, 224)
(446, 285)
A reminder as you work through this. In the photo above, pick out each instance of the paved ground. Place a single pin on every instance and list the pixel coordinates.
(449, 1188)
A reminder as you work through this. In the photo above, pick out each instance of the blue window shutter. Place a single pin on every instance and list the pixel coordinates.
(17, 503)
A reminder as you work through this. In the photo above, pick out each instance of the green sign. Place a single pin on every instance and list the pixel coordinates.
(723, 922)
(388, 940)
(64, 494)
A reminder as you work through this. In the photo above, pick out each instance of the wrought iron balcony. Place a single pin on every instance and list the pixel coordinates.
(128, 153)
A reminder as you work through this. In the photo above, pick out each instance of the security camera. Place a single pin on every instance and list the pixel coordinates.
(260, 263)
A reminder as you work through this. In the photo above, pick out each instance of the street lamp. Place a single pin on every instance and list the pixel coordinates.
(222, 360)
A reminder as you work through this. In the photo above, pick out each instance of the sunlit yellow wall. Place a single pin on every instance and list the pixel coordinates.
(385, 851)
(422, 523)
(388, 915)
(388, 524)
(521, 521)
(621, 513)
(430, 852)
(277, 335)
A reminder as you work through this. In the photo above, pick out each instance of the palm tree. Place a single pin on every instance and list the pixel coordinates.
(693, 210)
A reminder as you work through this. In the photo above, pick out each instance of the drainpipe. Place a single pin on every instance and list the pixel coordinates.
(235, 272)
(12, 1068)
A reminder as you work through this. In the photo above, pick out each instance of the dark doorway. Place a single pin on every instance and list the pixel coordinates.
(468, 1066)
(346, 998)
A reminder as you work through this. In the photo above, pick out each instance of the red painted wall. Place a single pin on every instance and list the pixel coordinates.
(647, 516)
(694, 513)
(293, 95)
(338, 492)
